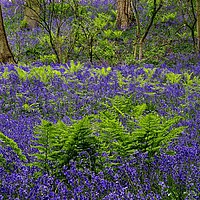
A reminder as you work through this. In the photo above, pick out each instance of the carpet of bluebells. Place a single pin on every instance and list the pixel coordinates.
(75, 94)
(72, 94)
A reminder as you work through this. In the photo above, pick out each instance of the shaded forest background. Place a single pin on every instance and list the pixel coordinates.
(106, 32)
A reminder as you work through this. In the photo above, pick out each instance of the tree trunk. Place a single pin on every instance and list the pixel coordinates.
(124, 14)
(198, 25)
(141, 50)
(31, 14)
(5, 52)
(138, 28)
(140, 39)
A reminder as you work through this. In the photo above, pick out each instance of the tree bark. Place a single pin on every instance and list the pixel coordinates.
(6, 55)
(124, 14)
(198, 25)
(31, 14)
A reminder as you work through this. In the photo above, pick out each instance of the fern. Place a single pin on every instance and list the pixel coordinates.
(44, 73)
(114, 136)
(5, 74)
(145, 130)
(103, 71)
(43, 143)
(173, 78)
(149, 72)
(8, 142)
(73, 67)
(119, 130)
(112, 133)
(124, 105)
(21, 73)
(58, 144)
(154, 133)
(149, 133)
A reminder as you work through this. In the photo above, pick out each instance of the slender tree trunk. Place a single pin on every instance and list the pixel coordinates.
(140, 38)
(198, 25)
(191, 25)
(141, 50)
(138, 30)
(135, 50)
(124, 14)
(31, 13)
(5, 52)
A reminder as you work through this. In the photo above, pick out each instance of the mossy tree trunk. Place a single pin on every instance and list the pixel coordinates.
(31, 13)
(6, 55)
(198, 25)
(124, 14)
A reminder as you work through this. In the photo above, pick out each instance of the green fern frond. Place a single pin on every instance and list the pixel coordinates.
(154, 133)
(124, 105)
(2, 160)
(59, 143)
(6, 141)
(21, 73)
(173, 78)
(145, 129)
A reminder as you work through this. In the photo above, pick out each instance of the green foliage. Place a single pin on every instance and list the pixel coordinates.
(120, 79)
(119, 130)
(58, 144)
(23, 24)
(101, 20)
(154, 132)
(168, 16)
(59, 9)
(149, 72)
(112, 135)
(96, 35)
(45, 39)
(44, 73)
(44, 143)
(21, 73)
(144, 132)
(117, 34)
(188, 79)
(2, 160)
(74, 67)
(53, 40)
(26, 107)
(107, 33)
(8, 142)
(143, 79)
(83, 32)
(173, 78)
(50, 58)
(105, 49)
(30, 107)
(103, 71)
(153, 54)
(5, 74)
(89, 31)
(124, 106)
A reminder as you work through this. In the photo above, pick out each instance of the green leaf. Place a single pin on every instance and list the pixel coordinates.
(6, 141)
(171, 153)
(173, 78)
(21, 73)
